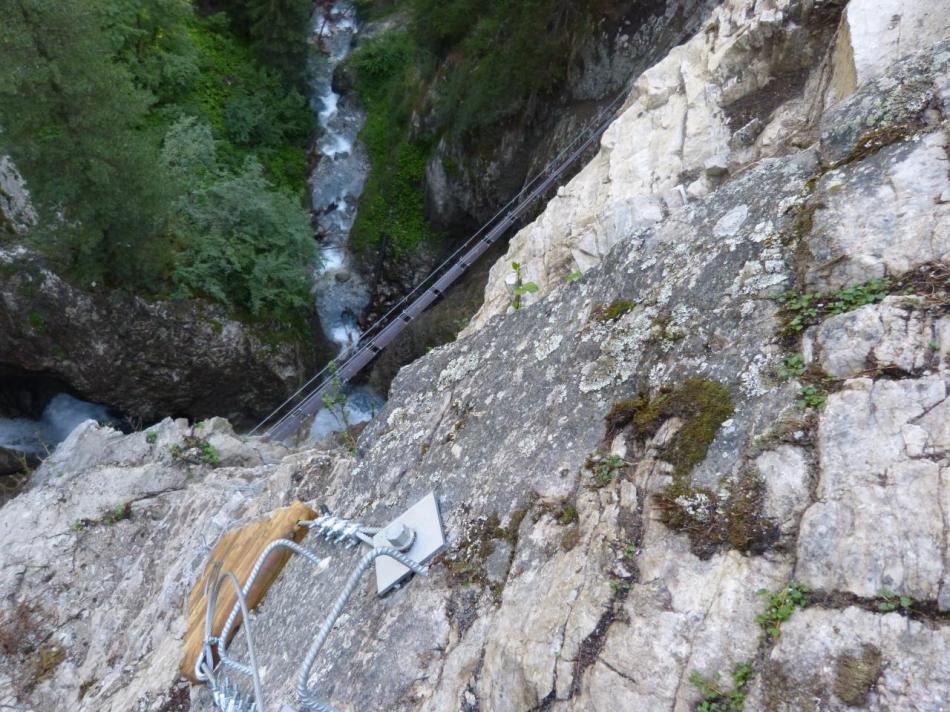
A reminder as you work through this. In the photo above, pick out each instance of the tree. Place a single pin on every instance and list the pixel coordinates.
(278, 30)
(75, 125)
(150, 38)
(246, 244)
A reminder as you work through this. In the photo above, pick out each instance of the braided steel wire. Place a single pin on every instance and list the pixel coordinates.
(304, 693)
(226, 696)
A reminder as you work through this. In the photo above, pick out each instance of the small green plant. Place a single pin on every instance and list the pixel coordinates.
(150, 437)
(890, 601)
(607, 469)
(933, 345)
(175, 450)
(857, 295)
(800, 309)
(334, 400)
(629, 551)
(573, 276)
(715, 698)
(209, 453)
(37, 322)
(118, 513)
(521, 287)
(793, 366)
(811, 397)
(617, 585)
(78, 526)
(780, 606)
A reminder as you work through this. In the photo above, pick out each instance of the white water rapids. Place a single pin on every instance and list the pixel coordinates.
(61, 415)
(336, 184)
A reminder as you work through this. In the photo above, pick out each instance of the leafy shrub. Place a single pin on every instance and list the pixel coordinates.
(86, 124)
(500, 53)
(393, 202)
(247, 245)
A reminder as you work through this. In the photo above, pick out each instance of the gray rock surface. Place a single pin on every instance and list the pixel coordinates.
(16, 210)
(102, 550)
(145, 358)
(576, 579)
(874, 660)
(879, 519)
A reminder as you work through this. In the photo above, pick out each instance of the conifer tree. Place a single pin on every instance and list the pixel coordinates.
(278, 30)
(74, 123)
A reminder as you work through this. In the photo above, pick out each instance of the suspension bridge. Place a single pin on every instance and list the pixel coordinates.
(291, 415)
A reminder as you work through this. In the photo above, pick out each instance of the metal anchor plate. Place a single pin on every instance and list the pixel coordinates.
(425, 519)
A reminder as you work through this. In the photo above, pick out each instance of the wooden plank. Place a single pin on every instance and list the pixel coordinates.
(238, 551)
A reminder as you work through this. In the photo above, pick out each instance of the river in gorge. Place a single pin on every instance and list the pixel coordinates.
(340, 293)
(336, 183)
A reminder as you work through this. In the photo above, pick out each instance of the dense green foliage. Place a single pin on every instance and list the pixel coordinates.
(277, 30)
(467, 65)
(393, 204)
(247, 240)
(501, 53)
(164, 150)
(76, 126)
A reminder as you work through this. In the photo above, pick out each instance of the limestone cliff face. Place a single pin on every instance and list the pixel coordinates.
(725, 402)
(145, 358)
(753, 83)
(469, 177)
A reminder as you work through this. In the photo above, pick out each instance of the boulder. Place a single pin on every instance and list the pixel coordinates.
(146, 359)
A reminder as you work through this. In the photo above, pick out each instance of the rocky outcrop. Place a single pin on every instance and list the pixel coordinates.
(102, 500)
(753, 83)
(623, 468)
(469, 177)
(16, 211)
(147, 359)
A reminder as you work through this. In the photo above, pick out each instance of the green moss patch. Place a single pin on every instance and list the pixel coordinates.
(612, 311)
(855, 675)
(467, 561)
(874, 140)
(711, 520)
(702, 405)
